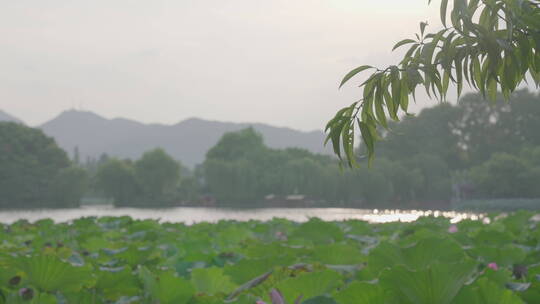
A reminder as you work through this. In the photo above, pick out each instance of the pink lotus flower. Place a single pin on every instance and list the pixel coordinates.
(493, 266)
(453, 229)
(260, 302)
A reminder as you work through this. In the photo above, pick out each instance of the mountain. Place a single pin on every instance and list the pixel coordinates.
(187, 141)
(6, 117)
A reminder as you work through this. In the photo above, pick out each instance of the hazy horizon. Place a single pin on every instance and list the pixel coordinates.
(70, 111)
(166, 61)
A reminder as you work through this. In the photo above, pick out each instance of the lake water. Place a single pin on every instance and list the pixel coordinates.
(194, 215)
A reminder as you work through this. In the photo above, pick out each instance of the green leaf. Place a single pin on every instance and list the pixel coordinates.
(337, 254)
(423, 26)
(379, 110)
(309, 285)
(114, 285)
(361, 293)
(438, 283)
(166, 288)
(477, 75)
(84, 297)
(367, 137)
(211, 281)
(391, 105)
(320, 300)
(502, 255)
(404, 101)
(416, 256)
(484, 291)
(352, 73)
(403, 42)
(49, 273)
(445, 83)
(248, 269)
(318, 231)
(444, 5)
(347, 138)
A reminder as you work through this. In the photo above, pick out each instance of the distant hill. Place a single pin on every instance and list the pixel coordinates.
(6, 117)
(187, 141)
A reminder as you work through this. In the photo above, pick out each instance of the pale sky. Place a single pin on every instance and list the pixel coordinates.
(272, 61)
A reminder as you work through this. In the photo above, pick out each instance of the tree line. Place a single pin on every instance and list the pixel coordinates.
(468, 150)
(472, 149)
(34, 172)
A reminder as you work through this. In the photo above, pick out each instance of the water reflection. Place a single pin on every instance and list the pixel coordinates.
(194, 215)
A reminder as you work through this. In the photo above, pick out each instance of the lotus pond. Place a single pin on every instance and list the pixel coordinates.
(122, 260)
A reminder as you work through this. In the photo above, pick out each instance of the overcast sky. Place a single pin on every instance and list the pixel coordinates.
(271, 61)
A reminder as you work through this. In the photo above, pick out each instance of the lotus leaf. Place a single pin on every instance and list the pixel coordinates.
(120, 260)
(318, 232)
(248, 269)
(166, 288)
(337, 254)
(483, 291)
(362, 293)
(115, 285)
(211, 281)
(309, 285)
(49, 273)
(416, 256)
(437, 283)
(504, 255)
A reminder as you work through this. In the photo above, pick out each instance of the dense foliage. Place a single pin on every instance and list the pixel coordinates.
(490, 45)
(151, 180)
(468, 133)
(483, 150)
(121, 260)
(472, 149)
(241, 170)
(509, 176)
(34, 171)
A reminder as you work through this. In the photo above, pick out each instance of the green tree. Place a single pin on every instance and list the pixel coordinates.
(436, 185)
(69, 186)
(30, 164)
(465, 134)
(405, 175)
(237, 145)
(502, 127)
(189, 189)
(158, 175)
(506, 176)
(532, 155)
(406, 182)
(117, 179)
(433, 131)
(233, 182)
(304, 175)
(490, 45)
(233, 167)
(374, 187)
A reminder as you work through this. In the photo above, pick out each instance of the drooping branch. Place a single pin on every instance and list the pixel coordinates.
(490, 45)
